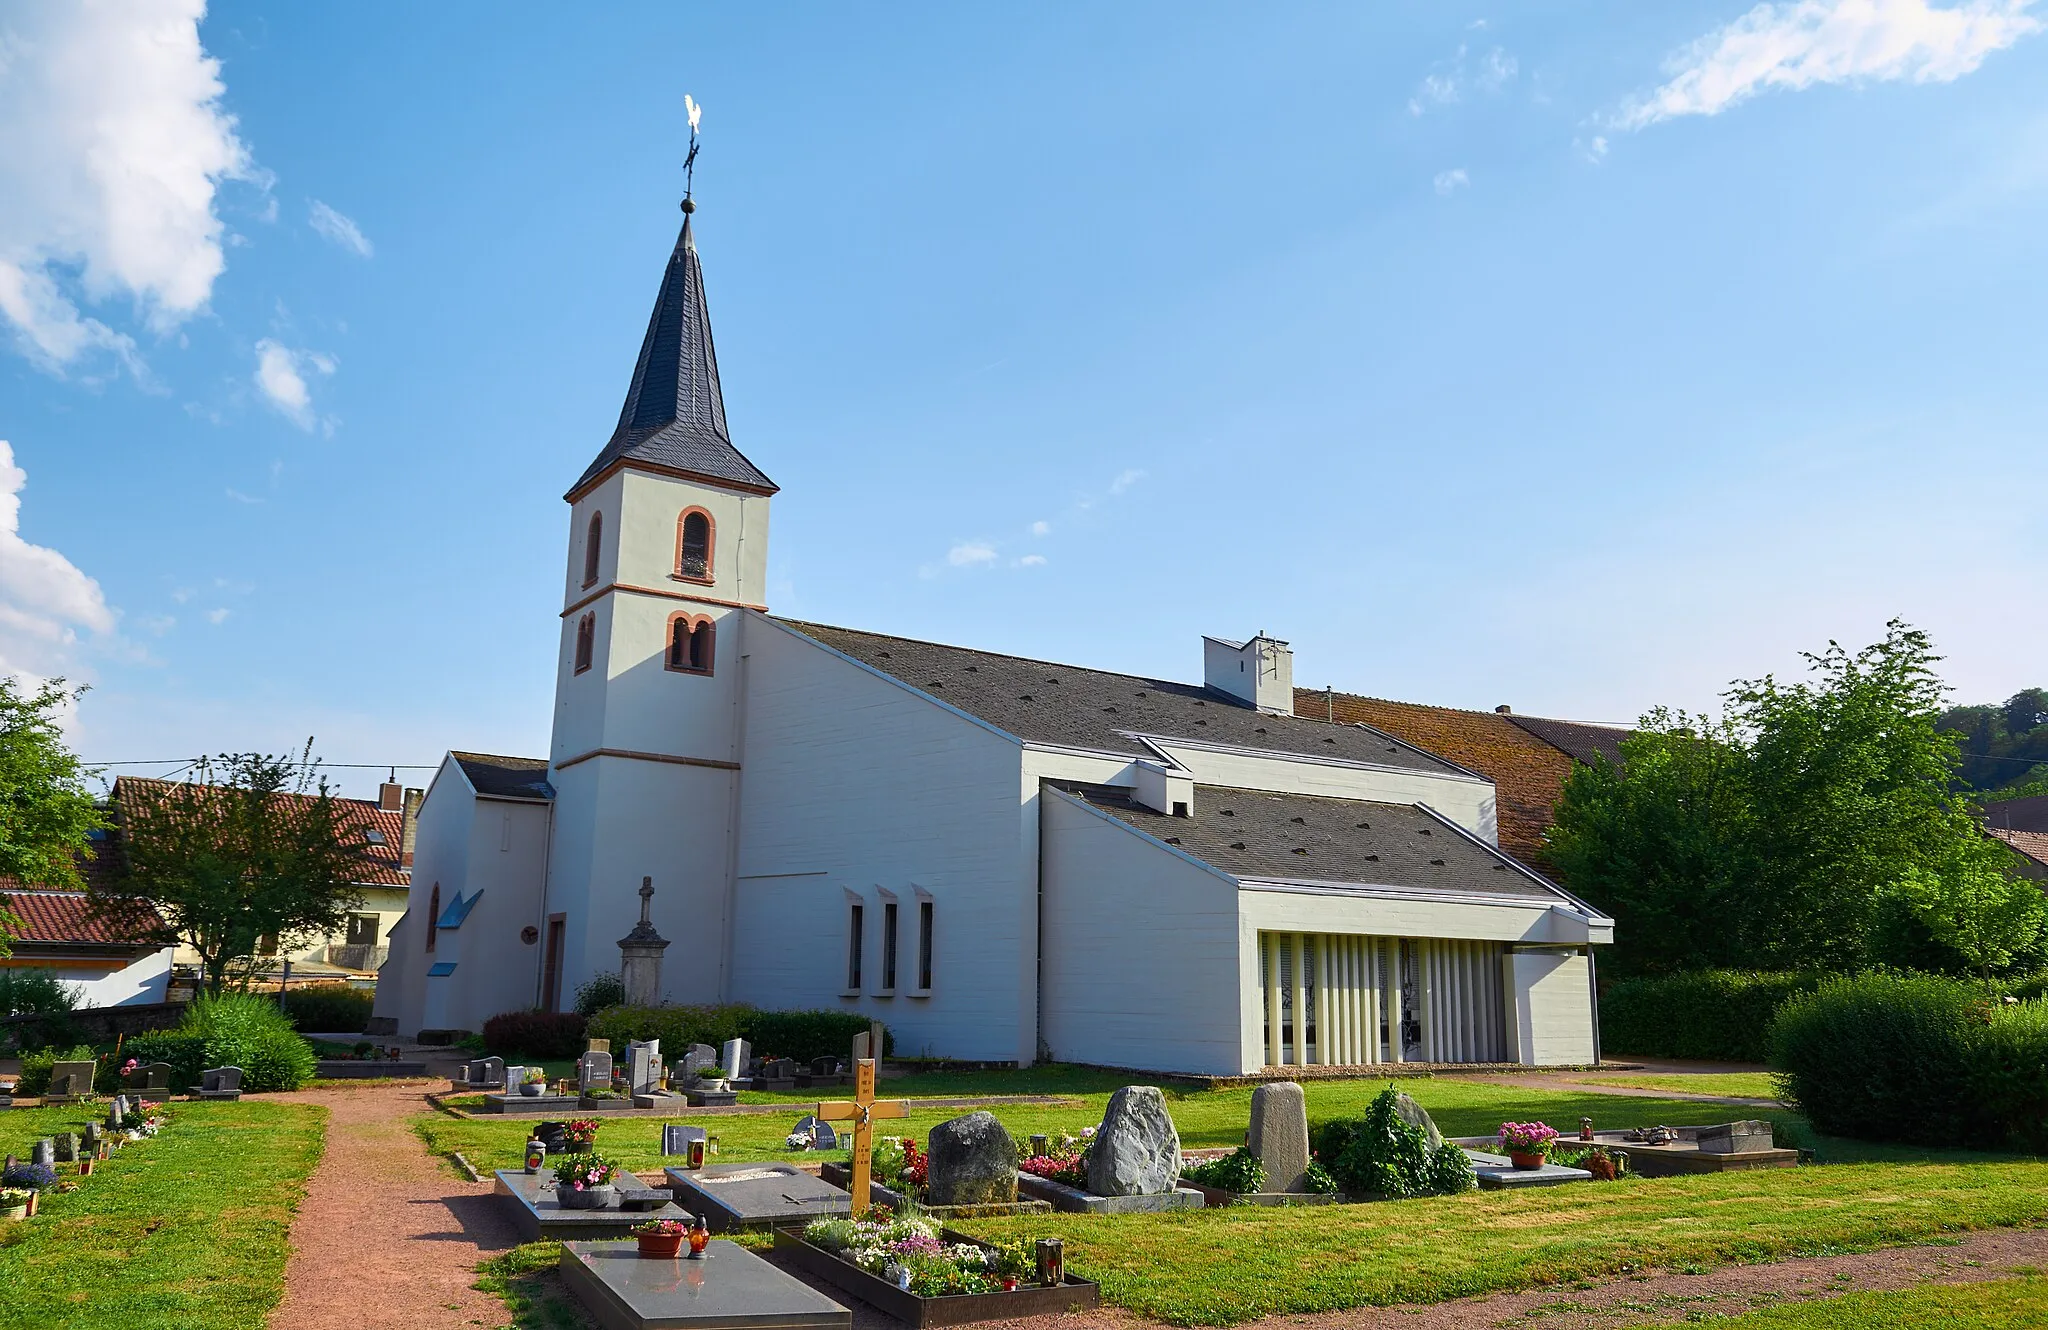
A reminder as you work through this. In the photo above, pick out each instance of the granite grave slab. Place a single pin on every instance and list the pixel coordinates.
(731, 1196)
(537, 1214)
(730, 1288)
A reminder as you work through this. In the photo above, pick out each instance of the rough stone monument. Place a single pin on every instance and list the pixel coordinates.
(1279, 1135)
(640, 955)
(1136, 1150)
(737, 1053)
(973, 1162)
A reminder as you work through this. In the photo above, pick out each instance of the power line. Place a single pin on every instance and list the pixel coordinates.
(186, 761)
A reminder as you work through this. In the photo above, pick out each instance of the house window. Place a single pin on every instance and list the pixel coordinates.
(593, 541)
(586, 640)
(690, 644)
(693, 546)
(433, 916)
(362, 930)
(889, 947)
(924, 945)
(855, 917)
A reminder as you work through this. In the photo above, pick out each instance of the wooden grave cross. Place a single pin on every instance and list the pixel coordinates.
(862, 1110)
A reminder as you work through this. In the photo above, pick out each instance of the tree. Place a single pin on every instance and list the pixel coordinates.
(249, 847)
(1818, 824)
(46, 813)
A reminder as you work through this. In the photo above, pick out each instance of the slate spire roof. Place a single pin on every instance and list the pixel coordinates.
(674, 417)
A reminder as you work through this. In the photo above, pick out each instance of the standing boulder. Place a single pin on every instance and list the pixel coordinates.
(1136, 1151)
(1279, 1135)
(1415, 1115)
(973, 1161)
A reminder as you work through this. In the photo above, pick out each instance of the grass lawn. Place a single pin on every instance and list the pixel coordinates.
(1742, 1084)
(142, 1241)
(1999, 1304)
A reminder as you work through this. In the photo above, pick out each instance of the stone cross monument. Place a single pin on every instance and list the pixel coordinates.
(640, 955)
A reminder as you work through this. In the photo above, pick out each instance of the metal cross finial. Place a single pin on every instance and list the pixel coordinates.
(646, 897)
(695, 113)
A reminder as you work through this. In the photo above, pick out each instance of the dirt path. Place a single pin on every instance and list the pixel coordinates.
(386, 1236)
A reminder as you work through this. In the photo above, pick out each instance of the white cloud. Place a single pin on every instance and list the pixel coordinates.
(340, 229)
(1124, 481)
(115, 145)
(1497, 70)
(281, 377)
(1436, 90)
(1031, 561)
(240, 497)
(1801, 43)
(971, 554)
(44, 598)
(159, 624)
(217, 617)
(1446, 82)
(1041, 528)
(1448, 181)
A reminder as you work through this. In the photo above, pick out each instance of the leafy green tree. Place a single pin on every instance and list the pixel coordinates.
(249, 847)
(2004, 745)
(1818, 824)
(46, 812)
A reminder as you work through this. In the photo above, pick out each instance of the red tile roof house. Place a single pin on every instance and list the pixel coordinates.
(112, 966)
(2023, 825)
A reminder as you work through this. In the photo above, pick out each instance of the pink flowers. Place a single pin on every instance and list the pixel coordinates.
(1526, 1137)
(917, 1244)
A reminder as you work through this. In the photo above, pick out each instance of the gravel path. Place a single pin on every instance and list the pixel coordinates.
(386, 1235)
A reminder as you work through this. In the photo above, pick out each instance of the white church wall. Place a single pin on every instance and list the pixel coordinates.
(440, 856)
(496, 970)
(1466, 800)
(1551, 1007)
(580, 697)
(1140, 949)
(855, 784)
(604, 499)
(652, 505)
(649, 708)
(1280, 908)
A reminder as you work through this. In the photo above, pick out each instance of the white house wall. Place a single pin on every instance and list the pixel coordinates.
(1553, 1008)
(1140, 949)
(440, 855)
(855, 785)
(144, 979)
(1464, 800)
(496, 970)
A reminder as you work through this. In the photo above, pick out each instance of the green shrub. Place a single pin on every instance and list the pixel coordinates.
(535, 1034)
(2009, 1073)
(328, 1008)
(37, 1066)
(1713, 1015)
(1884, 1057)
(1239, 1172)
(185, 1052)
(600, 991)
(802, 1035)
(251, 1032)
(40, 994)
(1384, 1156)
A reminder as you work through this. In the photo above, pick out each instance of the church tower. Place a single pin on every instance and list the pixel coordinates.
(668, 544)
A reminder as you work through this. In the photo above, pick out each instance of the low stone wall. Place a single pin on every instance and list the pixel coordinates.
(97, 1025)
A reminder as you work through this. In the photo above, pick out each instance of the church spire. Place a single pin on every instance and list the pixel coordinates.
(674, 416)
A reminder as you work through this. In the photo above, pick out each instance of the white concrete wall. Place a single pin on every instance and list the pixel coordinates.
(1141, 954)
(1464, 800)
(440, 855)
(855, 784)
(144, 979)
(496, 971)
(1551, 1001)
(1280, 909)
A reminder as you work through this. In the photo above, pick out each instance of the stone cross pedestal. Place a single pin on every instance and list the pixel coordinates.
(640, 955)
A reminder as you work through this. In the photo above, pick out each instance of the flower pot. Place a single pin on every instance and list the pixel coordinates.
(1523, 1159)
(531, 1089)
(85, 1166)
(588, 1198)
(15, 1211)
(33, 1198)
(659, 1246)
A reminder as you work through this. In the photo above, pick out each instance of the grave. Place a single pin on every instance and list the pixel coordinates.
(1720, 1148)
(777, 1075)
(731, 1196)
(676, 1138)
(483, 1074)
(1279, 1135)
(733, 1062)
(1498, 1173)
(67, 1147)
(697, 1058)
(811, 1134)
(219, 1083)
(973, 1161)
(537, 1214)
(730, 1288)
(69, 1081)
(152, 1082)
(531, 1104)
(643, 1066)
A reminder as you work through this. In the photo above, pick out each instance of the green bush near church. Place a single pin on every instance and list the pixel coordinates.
(243, 1030)
(802, 1035)
(1711, 1015)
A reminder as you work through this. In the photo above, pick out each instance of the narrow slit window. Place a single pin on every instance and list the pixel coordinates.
(693, 545)
(854, 916)
(889, 946)
(586, 640)
(924, 944)
(433, 915)
(593, 542)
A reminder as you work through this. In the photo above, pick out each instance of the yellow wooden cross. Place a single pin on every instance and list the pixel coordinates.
(862, 1110)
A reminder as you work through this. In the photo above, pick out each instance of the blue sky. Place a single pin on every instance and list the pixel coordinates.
(1579, 357)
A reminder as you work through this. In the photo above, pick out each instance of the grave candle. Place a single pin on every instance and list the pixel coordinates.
(1585, 1129)
(696, 1154)
(1052, 1263)
(536, 1153)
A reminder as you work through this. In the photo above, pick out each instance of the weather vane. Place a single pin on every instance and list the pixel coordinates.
(696, 113)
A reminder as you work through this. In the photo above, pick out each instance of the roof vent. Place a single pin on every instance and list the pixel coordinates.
(1504, 710)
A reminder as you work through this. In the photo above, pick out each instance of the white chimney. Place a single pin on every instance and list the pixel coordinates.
(1259, 673)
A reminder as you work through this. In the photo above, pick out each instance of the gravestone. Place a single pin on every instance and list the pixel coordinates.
(91, 1138)
(973, 1162)
(736, 1055)
(597, 1045)
(1416, 1115)
(640, 955)
(68, 1080)
(486, 1071)
(643, 1074)
(698, 1058)
(1279, 1135)
(155, 1079)
(1136, 1150)
(117, 1109)
(594, 1071)
(1735, 1137)
(816, 1135)
(219, 1083)
(676, 1138)
(43, 1152)
(67, 1147)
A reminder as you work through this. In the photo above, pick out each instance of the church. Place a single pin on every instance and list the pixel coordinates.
(1003, 859)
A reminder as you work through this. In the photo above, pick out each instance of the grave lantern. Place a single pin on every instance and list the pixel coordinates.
(536, 1153)
(1052, 1263)
(1585, 1129)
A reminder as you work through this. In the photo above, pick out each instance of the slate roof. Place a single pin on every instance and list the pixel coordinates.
(1304, 837)
(1582, 741)
(61, 918)
(356, 818)
(506, 777)
(1081, 708)
(674, 416)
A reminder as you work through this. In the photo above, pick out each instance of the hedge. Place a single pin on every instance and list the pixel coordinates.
(328, 1008)
(1711, 1015)
(802, 1035)
(245, 1030)
(1916, 1059)
(535, 1034)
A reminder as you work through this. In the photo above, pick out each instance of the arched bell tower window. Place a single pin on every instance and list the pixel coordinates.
(586, 640)
(693, 545)
(593, 542)
(690, 642)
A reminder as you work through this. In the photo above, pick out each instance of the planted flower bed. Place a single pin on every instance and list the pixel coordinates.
(910, 1267)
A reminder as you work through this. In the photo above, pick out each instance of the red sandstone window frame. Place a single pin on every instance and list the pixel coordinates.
(696, 624)
(683, 573)
(586, 641)
(593, 546)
